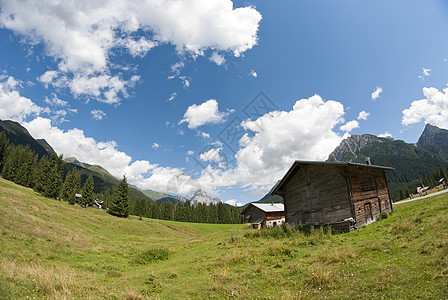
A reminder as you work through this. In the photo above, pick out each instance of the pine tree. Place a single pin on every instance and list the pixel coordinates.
(53, 180)
(119, 205)
(4, 143)
(87, 192)
(71, 186)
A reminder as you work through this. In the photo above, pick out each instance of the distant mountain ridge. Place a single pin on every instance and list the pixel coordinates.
(19, 135)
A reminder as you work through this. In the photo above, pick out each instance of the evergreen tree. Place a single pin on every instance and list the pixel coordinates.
(71, 186)
(53, 180)
(4, 143)
(119, 205)
(40, 174)
(87, 192)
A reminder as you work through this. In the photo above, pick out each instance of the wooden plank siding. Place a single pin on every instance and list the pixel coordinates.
(369, 194)
(316, 194)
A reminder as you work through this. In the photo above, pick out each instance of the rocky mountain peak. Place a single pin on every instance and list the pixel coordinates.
(433, 135)
(350, 148)
(201, 196)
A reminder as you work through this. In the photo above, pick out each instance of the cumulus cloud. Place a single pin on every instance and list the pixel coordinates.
(217, 58)
(363, 115)
(385, 135)
(432, 109)
(253, 73)
(212, 155)
(349, 126)
(155, 146)
(82, 35)
(98, 114)
(13, 106)
(233, 202)
(205, 113)
(376, 93)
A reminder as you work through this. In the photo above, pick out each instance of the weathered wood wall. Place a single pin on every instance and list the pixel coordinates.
(317, 194)
(369, 193)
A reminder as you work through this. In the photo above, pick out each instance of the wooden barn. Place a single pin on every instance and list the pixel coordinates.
(263, 215)
(343, 195)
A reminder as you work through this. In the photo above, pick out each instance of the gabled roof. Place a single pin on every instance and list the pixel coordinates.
(297, 165)
(267, 207)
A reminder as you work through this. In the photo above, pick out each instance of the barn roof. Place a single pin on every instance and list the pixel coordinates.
(267, 207)
(297, 165)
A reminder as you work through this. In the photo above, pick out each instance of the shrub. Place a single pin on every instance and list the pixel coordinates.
(382, 216)
(151, 256)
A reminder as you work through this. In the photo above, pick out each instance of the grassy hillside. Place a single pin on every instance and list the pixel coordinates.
(52, 250)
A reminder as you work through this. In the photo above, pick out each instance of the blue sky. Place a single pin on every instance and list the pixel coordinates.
(151, 90)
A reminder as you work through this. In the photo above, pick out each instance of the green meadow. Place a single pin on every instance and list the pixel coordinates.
(52, 250)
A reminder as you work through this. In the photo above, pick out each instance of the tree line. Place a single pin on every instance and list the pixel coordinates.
(186, 212)
(46, 176)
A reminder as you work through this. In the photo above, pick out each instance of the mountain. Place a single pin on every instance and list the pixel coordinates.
(18, 135)
(163, 197)
(201, 196)
(435, 140)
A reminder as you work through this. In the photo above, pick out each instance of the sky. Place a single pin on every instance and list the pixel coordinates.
(220, 95)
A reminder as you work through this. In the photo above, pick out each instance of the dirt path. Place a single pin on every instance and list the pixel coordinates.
(423, 197)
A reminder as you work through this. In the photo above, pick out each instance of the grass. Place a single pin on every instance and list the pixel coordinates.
(49, 249)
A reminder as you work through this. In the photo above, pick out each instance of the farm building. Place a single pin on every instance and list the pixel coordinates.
(343, 195)
(263, 215)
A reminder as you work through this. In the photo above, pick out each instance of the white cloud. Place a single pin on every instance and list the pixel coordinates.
(204, 135)
(55, 101)
(363, 115)
(349, 126)
(205, 113)
(172, 96)
(253, 73)
(432, 109)
(425, 73)
(376, 93)
(217, 58)
(98, 114)
(48, 77)
(155, 146)
(140, 47)
(212, 155)
(385, 135)
(12, 105)
(233, 202)
(185, 81)
(190, 152)
(82, 35)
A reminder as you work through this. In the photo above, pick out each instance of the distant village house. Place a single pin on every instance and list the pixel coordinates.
(262, 215)
(343, 195)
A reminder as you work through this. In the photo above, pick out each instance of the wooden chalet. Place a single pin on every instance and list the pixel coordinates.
(343, 195)
(263, 215)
